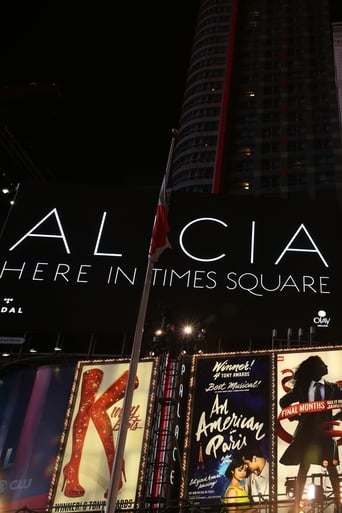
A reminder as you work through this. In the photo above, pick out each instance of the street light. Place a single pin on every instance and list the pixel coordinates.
(187, 330)
(290, 487)
(195, 337)
(178, 339)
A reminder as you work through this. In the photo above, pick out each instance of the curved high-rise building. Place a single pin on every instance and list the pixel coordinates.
(260, 116)
(337, 36)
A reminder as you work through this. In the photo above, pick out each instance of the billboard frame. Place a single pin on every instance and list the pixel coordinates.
(276, 495)
(140, 420)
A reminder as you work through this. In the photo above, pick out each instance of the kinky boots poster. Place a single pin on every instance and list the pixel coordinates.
(88, 447)
(229, 418)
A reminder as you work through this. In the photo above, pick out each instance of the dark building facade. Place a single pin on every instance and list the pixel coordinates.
(260, 116)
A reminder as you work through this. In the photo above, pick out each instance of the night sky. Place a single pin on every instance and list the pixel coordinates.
(119, 75)
(113, 77)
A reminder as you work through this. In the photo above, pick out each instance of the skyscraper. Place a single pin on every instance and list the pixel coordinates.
(260, 115)
(337, 35)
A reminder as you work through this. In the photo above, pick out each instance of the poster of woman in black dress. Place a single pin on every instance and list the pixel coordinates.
(312, 405)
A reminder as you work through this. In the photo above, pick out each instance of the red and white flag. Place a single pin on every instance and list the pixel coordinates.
(159, 240)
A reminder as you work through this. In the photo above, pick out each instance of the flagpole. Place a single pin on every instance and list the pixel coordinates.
(132, 370)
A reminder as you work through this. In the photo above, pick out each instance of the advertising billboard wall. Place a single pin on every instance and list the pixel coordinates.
(59, 429)
(74, 258)
(229, 418)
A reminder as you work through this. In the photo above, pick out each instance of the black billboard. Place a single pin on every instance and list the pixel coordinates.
(75, 258)
(249, 266)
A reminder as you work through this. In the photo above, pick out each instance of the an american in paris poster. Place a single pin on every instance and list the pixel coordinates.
(230, 411)
(299, 443)
(91, 434)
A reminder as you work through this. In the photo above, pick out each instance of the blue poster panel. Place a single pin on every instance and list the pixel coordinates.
(309, 428)
(230, 419)
(33, 405)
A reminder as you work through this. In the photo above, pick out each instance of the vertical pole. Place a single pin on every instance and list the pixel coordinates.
(127, 406)
(133, 366)
(274, 336)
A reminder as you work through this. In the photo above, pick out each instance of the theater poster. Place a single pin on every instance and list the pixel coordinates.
(297, 414)
(83, 475)
(229, 412)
